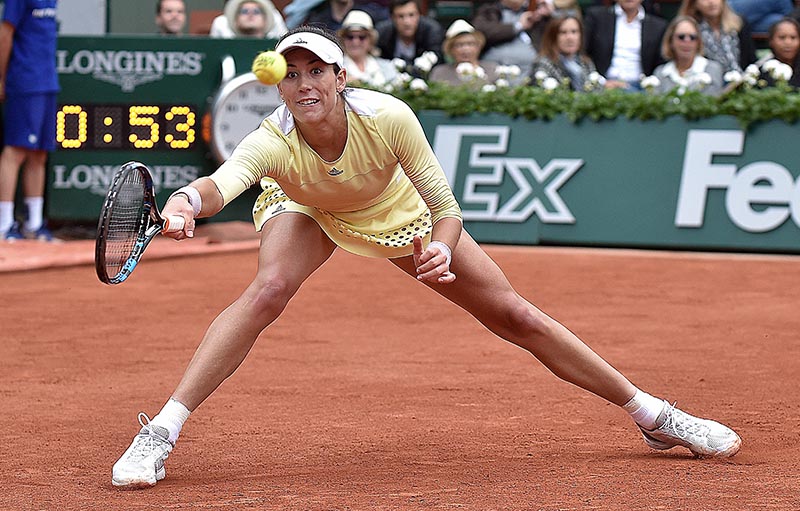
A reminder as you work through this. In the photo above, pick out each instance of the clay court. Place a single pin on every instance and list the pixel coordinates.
(371, 392)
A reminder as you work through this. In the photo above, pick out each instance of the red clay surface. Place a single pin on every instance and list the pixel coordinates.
(371, 392)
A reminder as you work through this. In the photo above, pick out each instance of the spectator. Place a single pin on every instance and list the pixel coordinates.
(462, 47)
(297, 12)
(761, 14)
(170, 17)
(249, 18)
(562, 57)
(513, 31)
(359, 37)
(726, 37)
(624, 42)
(28, 86)
(686, 67)
(407, 35)
(784, 44)
(220, 27)
(331, 13)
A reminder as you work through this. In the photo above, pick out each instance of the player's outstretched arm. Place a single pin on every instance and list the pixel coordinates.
(201, 198)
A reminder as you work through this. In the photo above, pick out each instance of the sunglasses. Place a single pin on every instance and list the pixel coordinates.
(360, 37)
(687, 37)
(250, 10)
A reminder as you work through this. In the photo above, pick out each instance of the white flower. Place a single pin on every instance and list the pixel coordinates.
(733, 77)
(701, 79)
(465, 70)
(540, 75)
(501, 70)
(550, 83)
(402, 79)
(782, 72)
(650, 82)
(681, 90)
(418, 84)
(514, 70)
(502, 82)
(489, 88)
(770, 65)
(752, 71)
(480, 73)
(426, 61)
(596, 78)
(399, 63)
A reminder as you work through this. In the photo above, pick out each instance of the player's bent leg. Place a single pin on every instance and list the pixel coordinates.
(483, 290)
(292, 248)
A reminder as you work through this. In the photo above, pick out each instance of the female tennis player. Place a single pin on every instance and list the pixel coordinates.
(352, 168)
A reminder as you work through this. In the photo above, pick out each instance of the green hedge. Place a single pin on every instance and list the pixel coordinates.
(749, 105)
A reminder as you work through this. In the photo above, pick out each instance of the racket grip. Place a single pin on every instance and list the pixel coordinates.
(173, 223)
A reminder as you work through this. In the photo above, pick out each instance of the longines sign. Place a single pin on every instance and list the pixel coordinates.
(129, 68)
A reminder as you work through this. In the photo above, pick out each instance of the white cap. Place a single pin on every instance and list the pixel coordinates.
(319, 45)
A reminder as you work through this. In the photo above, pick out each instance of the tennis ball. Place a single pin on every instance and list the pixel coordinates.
(269, 67)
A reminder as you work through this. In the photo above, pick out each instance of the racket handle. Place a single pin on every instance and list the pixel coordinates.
(173, 223)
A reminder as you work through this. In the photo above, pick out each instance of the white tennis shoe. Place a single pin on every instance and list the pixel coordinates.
(142, 465)
(701, 436)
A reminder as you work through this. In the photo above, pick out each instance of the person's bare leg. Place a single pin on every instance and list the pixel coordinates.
(292, 248)
(33, 176)
(11, 160)
(483, 290)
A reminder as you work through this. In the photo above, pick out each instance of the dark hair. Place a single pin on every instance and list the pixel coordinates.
(159, 2)
(787, 19)
(549, 44)
(393, 4)
(319, 30)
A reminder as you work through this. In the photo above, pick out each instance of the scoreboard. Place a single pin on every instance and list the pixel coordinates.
(150, 99)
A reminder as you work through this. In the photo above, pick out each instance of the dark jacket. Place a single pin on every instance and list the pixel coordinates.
(429, 37)
(488, 20)
(600, 28)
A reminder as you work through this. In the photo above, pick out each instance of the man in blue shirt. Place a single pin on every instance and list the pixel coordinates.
(28, 86)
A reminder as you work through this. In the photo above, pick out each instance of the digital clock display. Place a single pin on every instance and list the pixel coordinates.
(126, 127)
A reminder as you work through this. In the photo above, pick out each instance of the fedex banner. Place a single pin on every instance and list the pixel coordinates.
(673, 184)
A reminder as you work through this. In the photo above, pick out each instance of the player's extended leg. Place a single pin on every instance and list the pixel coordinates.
(482, 289)
(292, 248)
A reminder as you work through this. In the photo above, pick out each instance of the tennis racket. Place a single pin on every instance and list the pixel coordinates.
(128, 222)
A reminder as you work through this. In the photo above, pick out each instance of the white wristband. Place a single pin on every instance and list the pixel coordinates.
(193, 196)
(444, 249)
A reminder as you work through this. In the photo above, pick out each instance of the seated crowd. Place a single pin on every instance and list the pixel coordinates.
(708, 45)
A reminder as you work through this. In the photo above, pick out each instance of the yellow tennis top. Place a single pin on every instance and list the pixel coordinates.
(385, 188)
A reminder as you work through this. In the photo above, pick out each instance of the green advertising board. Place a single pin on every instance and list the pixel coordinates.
(138, 98)
(675, 183)
(678, 184)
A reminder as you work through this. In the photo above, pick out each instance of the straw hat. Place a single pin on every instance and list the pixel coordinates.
(358, 20)
(232, 11)
(457, 28)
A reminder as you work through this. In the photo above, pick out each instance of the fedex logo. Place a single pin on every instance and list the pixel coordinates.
(537, 187)
(759, 197)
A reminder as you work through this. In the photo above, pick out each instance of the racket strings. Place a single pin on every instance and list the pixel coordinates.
(126, 222)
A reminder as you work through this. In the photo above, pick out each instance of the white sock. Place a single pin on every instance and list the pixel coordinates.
(35, 213)
(644, 409)
(172, 417)
(6, 215)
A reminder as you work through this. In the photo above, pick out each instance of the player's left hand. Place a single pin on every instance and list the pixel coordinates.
(431, 264)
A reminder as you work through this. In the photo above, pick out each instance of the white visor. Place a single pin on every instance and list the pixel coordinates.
(320, 46)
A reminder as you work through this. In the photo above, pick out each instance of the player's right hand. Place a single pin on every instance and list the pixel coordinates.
(178, 205)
